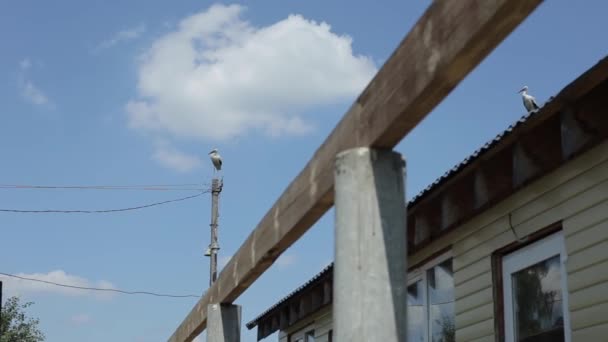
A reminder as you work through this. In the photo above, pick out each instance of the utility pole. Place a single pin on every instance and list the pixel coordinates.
(216, 188)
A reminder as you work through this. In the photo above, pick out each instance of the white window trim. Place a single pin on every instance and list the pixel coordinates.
(527, 256)
(420, 273)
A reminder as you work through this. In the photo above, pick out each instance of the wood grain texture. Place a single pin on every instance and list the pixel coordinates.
(447, 43)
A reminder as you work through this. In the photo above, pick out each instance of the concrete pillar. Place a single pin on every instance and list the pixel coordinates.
(370, 271)
(223, 323)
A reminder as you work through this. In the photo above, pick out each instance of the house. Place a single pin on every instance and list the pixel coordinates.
(509, 245)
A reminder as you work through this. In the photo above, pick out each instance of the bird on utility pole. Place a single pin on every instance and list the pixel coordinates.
(216, 159)
(216, 188)
(529, 100)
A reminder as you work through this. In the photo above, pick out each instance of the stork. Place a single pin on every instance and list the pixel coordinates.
(529, 100)
(216, 159)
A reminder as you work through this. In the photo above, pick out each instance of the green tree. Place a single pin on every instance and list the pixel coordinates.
(15, 326)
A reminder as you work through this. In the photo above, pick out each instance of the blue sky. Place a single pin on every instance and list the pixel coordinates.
(128, 93)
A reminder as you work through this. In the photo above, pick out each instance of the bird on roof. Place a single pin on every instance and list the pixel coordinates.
(529, 100)
(216, 159)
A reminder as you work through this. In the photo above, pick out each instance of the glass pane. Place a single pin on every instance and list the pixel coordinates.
(310, 336)
(537, 296)
(415, 313)
(441, 302)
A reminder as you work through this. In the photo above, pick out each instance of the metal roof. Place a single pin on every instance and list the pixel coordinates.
(468, 160)
(327, 270)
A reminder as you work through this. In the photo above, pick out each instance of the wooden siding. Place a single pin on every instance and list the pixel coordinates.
(576, 193)
(320, 322)
(587, 265)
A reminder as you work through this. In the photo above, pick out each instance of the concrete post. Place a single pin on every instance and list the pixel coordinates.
(370, 272)
(223, 323)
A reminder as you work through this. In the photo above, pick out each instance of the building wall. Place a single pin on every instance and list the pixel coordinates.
(587, 247)
(577, 194)
(321, 322)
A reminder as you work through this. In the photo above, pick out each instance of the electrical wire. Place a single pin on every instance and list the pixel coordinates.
(156, 187)
(100, 289)
(524, 239)
(103, 211)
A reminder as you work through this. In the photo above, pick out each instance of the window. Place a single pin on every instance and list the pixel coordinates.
(533, 282)
(303, 335)
(430, 302)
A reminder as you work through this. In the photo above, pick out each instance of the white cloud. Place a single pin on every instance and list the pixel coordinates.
(29, 91)
(33, 94)
(80, 319)
(121, 36)
(175, 159)
(216, 76)
(15, 286)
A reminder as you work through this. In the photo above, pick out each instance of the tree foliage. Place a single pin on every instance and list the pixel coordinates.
(15, 326)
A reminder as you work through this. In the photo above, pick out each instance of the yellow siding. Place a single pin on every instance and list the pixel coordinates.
(594, 333)
(322, 327)
(475, 331)
(320, 322)
(588, 296)
(587, 245)
(592, 275)
(473, 301)
(471, 317)
(576, 193)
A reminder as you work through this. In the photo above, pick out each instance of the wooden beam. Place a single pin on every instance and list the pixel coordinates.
(457, 202)
(293, 313)
(284, 318)
(591, 111)
(445, 45)
(543, 143)
(274, 322)
(327, 289)
(524, 166)
(573, 134)
(482, 190)
(317, 298)
(305, 304)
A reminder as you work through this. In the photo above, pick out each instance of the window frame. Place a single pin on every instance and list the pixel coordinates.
(419, 273)
(301, 335)
(547, 244)
(308, 334)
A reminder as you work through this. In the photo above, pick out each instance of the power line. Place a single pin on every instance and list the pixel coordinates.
(155, 187)
(102, 211)
(100, 289)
